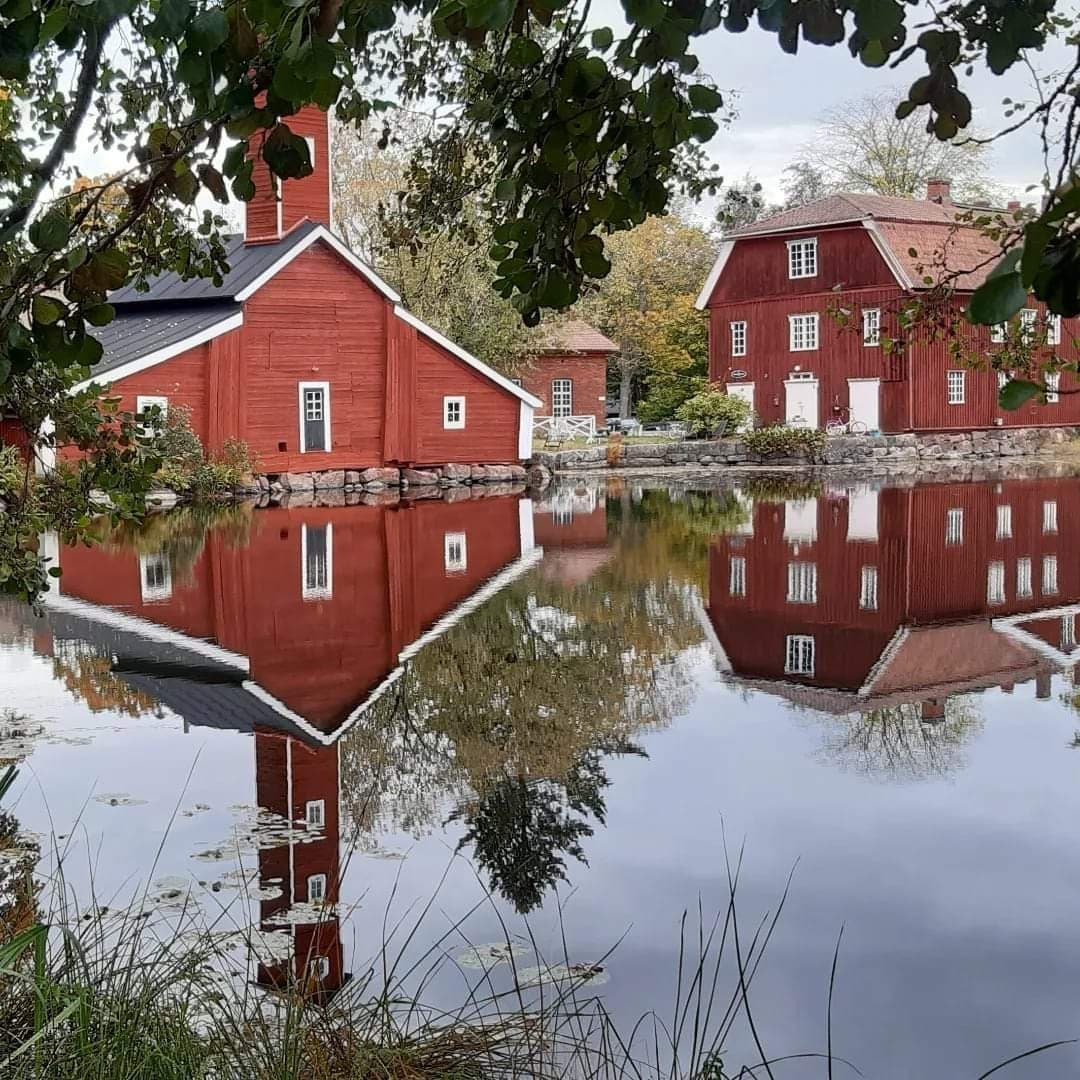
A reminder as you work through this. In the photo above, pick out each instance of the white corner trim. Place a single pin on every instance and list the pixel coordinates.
(468, 358)
(723, 664)
(1010, 626)
(133, 367)
(526, 537)
(525, 431)
(322, 233)
(887, 253)
(722, 257)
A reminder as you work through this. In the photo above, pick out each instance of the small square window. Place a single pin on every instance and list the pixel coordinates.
(803, 332)
(155, 572)
(152, 425)
(319, 967)
(738, 338)
(802, 258)
(799, 657)
(453, 413)
(955, 386)
(315, 813)
(316, 888)
(871, 326)
(455, 554)
(998, 333)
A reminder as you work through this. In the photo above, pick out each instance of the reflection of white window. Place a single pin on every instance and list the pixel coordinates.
(155, 574)
(1004, 522)
(310, 140)
(1003, 378)
(1049, 575)
(319, 967)
(316, 888)
(1023, 578)
(800, 520)
(802, 583)
(802, 258)
(1053, 387)
(317, 561)
(954, 382)
(995, 583)
(799, 657)
(954, 526)
(1053, 329)
(871, 326)
(1028, 319)
(152, 427)
(453, 413)
(1050, 516)
(455, 556)
(998, 332)
(562, 515)
(737, 578)
(315, 813)
(562, 397)
(1068, 631)
(868, 588)
(738, 339)
(803, 332)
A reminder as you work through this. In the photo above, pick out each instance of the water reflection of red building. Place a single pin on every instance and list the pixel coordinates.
(860, 598)
(291, 633)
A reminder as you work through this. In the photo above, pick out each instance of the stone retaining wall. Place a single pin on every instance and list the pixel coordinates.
(861, 450)
(376, 481)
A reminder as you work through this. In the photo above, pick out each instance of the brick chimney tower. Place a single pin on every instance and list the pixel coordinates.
(937, 190)
(268, 217)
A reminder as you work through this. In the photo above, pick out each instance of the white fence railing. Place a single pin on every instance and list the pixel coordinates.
(564, 427)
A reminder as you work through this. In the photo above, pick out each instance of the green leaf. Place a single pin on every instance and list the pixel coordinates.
(214, 183)
(209, 31)
(109, 268)
(556, 291)
(1016, 392)
(51, 232)
(524, 52)
(506, 190)
(705, 98)
(286, 153)
(1000, 297)
(602, 38)
(100, 314)
(172, 17)
(46, 310)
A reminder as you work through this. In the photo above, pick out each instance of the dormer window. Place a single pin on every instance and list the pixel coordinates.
(802, 258)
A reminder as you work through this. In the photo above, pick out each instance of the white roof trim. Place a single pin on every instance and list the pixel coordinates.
(808, 227)
(887, 253)
(714, 274)
(888, 654)
(468, 358)
(159, 356)
(723, 664)
(1010, 626)
(320, 232)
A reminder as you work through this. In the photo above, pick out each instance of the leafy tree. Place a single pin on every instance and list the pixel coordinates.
(714, 412)
(803, 183)
(863, 145)
(676, 340)
(741, 204)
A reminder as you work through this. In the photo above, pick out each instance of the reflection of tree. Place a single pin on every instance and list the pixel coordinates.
(88, 675)
(18, 857)
(896, 742)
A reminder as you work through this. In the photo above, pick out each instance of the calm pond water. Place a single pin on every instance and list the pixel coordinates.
(318, 715)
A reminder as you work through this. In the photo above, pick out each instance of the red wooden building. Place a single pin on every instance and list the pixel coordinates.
(305, 353)
(773, 340)
(860, 598)
(568, 373)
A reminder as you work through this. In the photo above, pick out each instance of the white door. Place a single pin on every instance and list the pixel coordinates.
(800, 520)
(801, 404)
(746, 392)
(864, 400)
(862, 514)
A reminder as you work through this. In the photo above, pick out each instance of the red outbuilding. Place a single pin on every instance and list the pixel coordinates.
(303, 352)
(777, 285)
(568, 373)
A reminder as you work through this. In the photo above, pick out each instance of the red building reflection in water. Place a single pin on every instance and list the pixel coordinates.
(861, 598)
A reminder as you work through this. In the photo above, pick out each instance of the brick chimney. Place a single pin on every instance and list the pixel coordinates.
(1013, 204)
(937, 190)
(269, 217)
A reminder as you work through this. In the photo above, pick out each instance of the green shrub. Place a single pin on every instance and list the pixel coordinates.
(190, 470)
(780, 441)
(713, 412)
(13, 470)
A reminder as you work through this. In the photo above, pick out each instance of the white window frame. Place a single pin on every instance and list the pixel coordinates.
(1003, 378)
(455, 553)
(1053, 328)
(737, 575)
(143, 402)
(998, 333)
(868, 588)
(1068, 631)
(1049, 575)
(562, 397)
(1050, 517)
(804, 329)
(802, 583)
(955, 387)
(995, 582)
(802, 257)
(315, 813)
(153, 592)
(310, 140)
(325, 388)
(800, 654)
(1004, 522)
(1023, 578)
(317, 592)
(319, 968)
(450, 404)
(316, 884)
(954, 526)
(871, 327)
(1053, 387)
(738, 337)
(1029, 317)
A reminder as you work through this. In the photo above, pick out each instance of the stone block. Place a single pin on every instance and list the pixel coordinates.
(456, 472)
(352, 498)
(458, 493)
(388, 476)
(330, 480)
(497, 473)
(380, 498)
(352, 476)
(297, 481)
(478, 472)
(330, 497)
(518, 473)
(375, 485)
(419, 477)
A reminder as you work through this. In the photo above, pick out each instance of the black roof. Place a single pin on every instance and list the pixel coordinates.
(142, 329)
(246, 263)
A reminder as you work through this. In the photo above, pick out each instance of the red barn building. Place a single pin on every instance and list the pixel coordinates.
(568, 373)
(773, 341)
(861, 599)
(305, 353)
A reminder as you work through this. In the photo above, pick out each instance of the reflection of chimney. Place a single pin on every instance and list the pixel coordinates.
(933, 709)
(43, 642)
(1007, 687)
(1042, 686)
(937, 190)
(1013, 204)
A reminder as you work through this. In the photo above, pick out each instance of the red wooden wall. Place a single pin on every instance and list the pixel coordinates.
(587, 372)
